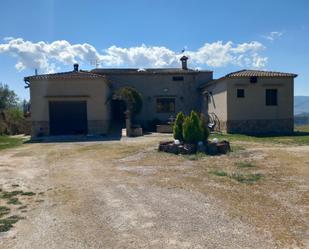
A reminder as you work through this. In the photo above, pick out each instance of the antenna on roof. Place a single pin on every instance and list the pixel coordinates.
(95, 63)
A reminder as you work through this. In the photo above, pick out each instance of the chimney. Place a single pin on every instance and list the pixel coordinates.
(184, 60)
(75, 67)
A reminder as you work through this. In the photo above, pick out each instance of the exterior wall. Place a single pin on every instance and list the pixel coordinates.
(251, 114)
(260, 126)
(94, 91)
(216, 102)
(150, 86)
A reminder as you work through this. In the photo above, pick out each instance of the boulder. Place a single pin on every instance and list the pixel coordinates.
(211, 149)
(190, 148)
(223, 147)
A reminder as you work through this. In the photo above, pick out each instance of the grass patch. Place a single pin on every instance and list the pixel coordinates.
(11, 196)
(29, 193)
(246, 178)
(299, 137)
(7, 142)
(195, 157)
(7, 224)
(219, 173)
(22, 207)
(8, 195)
(245, 165)
(14, 201)
(239, 177)
(237, 148)
(4, 210)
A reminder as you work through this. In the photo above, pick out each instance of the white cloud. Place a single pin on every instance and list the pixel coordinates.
(49, 56)
(274, 35)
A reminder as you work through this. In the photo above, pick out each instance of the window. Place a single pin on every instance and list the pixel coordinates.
(165, 105)
(178, 78)
(240, 93)
(271, 97)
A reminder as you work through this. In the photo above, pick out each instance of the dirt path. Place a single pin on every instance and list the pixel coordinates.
(90, 200)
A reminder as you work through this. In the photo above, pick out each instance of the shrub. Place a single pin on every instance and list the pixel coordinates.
(204, 126)
(192, 131)
(177, 129)
(12, 122)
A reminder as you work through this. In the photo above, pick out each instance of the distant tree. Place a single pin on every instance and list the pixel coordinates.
(12, 120)
(8, 98)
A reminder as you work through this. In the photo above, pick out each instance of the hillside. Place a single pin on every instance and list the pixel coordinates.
(301, 104)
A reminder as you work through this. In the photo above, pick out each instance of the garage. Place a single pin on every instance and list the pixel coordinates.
(68, 117)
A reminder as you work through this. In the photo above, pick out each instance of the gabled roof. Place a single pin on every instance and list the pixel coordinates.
(258, 73)
(66, 75)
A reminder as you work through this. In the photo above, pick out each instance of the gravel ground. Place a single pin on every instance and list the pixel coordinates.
(91, 200)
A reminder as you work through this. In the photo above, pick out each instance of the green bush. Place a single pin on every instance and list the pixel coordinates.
(12, 122)
(204, 126)
(192, 130)
(177, 129)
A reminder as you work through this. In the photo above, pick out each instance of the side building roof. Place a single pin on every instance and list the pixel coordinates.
(258, 73)
(66, 75)
(250, 73)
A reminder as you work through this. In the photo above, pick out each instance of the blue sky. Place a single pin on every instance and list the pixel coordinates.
(223, 36)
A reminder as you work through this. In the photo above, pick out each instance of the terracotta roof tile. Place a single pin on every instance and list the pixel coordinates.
(258, 73)
(66, 75)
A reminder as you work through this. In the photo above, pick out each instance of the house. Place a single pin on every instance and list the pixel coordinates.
(80, 102)
(251, 101)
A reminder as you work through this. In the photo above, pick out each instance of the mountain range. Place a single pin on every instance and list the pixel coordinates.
(301, 105)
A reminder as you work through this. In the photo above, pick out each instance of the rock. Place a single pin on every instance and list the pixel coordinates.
(182, 150)
(164, 145)
(211, 148)
(172, 148)
(190, 148)
(201, 148)
(223, 147)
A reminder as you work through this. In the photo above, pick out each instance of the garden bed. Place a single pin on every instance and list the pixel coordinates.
(210, 148)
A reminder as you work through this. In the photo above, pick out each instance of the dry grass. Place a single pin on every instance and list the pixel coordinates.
(266, 186)
(260, 182)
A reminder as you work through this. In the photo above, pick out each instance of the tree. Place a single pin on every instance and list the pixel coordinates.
(192, 130)
(131, 97)
(177, 129)
(12, 120)
(8, 98)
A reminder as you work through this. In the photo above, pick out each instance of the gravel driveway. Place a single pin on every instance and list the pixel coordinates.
(90, 200)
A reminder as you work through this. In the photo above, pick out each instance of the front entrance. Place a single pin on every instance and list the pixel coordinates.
(68, 117)
(118, 109)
